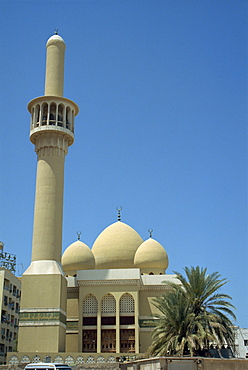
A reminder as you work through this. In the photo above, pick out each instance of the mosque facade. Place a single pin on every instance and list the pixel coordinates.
(110, 291)
(89, 304)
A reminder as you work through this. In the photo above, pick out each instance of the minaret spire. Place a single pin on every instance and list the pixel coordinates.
(119, 213)
(150, 232)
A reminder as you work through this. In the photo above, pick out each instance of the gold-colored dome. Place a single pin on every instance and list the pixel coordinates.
(77, 256)
(115, 247)
(151, 255)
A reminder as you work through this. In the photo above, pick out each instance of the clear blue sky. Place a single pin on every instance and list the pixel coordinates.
(162, 128)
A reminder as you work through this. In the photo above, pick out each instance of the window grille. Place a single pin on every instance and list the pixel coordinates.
(90, 304)
(69, 360)
(79, 360)
(108, 304)
(100, 359)
(110, 359)
(36, 359)
(90, 360)
(58, 360)
(13, 360)
(25, 359)
(126, 303)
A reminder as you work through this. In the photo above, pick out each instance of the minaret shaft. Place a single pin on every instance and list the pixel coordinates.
(48, 213)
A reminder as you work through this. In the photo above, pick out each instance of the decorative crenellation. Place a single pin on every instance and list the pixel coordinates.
(108, 282)
(73, 289)
(155, 287)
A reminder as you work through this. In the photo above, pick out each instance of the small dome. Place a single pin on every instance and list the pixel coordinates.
(115, 247)
(77, 256)
(151, 255)
(55, 39)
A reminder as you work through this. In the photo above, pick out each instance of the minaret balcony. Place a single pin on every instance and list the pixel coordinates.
(52, 113)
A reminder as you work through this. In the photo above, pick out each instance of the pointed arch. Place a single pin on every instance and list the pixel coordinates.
(52, 113)
(90, 304)
(44, 113)
(61, 119)
(127, 304)
(108, 304)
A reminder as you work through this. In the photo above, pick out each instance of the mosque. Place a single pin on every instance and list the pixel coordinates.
(87, 305)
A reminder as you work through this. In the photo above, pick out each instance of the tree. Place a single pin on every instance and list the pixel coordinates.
(193, 315)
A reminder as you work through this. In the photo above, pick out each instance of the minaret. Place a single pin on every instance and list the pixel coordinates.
(43, 305)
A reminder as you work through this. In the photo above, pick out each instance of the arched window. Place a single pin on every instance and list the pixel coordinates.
(108, 310)
(37, 115)
(72, 121)
(61, 115)
(52, 115)
(44, 114)
(90, 304)
(68, 118)
(126, 303)
(108, 304)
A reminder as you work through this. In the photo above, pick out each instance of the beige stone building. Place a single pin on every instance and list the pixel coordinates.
(89, 305)
(10, 292)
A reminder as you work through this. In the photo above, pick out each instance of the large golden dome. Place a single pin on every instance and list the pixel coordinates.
(77, 256)
(151, 256)
(115, 247)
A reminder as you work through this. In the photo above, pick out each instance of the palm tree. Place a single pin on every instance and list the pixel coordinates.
(193, 314)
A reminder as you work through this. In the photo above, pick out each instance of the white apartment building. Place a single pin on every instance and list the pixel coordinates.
(241, 342)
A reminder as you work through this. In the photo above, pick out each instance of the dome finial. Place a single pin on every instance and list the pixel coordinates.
(56, 31)
(78, 234)
(150, 231)
(119, 213)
